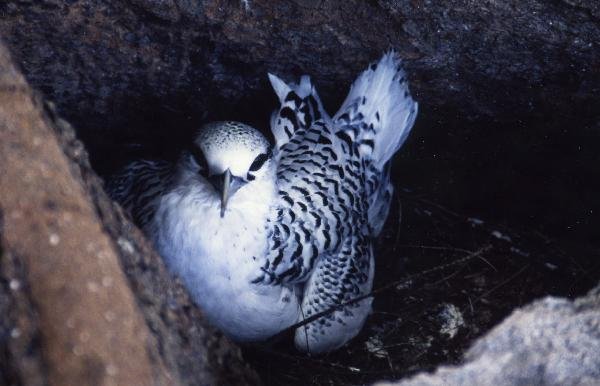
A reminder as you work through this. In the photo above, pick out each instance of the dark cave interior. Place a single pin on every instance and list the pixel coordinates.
(497, 187)
(522, 190)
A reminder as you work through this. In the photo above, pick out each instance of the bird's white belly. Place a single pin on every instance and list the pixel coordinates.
(218, 257)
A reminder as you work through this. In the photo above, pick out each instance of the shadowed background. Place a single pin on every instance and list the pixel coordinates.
(508, 130)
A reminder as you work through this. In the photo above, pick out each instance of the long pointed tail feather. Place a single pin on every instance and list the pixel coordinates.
(300, 107)
(379, 111)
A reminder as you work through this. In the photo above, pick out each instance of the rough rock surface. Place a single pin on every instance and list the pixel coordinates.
(83, 298)
(98, 59)
(509, 129)
(553, 341)
(507, 89)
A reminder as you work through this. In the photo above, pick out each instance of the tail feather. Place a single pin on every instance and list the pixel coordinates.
(300, 107)
(379, 111)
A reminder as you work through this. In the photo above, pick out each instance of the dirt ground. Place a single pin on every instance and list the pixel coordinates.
(443, 280)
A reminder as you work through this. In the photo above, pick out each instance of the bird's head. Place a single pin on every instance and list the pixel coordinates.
(230, 155)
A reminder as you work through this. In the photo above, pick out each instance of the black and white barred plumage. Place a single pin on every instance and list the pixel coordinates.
(266, 236)
(137, 187)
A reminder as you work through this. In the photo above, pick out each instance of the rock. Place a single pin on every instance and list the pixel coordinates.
(171, 59)
(84, 300)
(498, 82)
(553, 341)
(508, 131)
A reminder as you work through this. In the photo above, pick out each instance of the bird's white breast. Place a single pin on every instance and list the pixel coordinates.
(218, 257)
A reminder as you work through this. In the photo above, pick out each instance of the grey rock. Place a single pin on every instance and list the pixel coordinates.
(554, 341)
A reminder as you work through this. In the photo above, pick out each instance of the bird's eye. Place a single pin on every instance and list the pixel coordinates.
(259, 161)
(200, 159)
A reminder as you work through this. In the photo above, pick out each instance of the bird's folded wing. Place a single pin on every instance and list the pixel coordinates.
(138, 186)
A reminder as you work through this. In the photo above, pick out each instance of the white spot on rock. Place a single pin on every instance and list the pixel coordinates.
(125, 245)
(54, 239)
(452, 320)
(519, 252)
(405, 284)
(375, 346)
(92, 286)
(14, 285)
(500, 236)
(77, 351)
(109, 316)
(475, 221)
(102, 255)
(112, 370)
(551, 266)
(89, 247)
(15, 333)
(84, 336)
(107, 281)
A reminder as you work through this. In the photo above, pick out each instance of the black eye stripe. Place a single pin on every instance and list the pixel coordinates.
(259, 161)
(199, 157)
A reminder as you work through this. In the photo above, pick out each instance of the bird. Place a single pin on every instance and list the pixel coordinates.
(265, 236)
